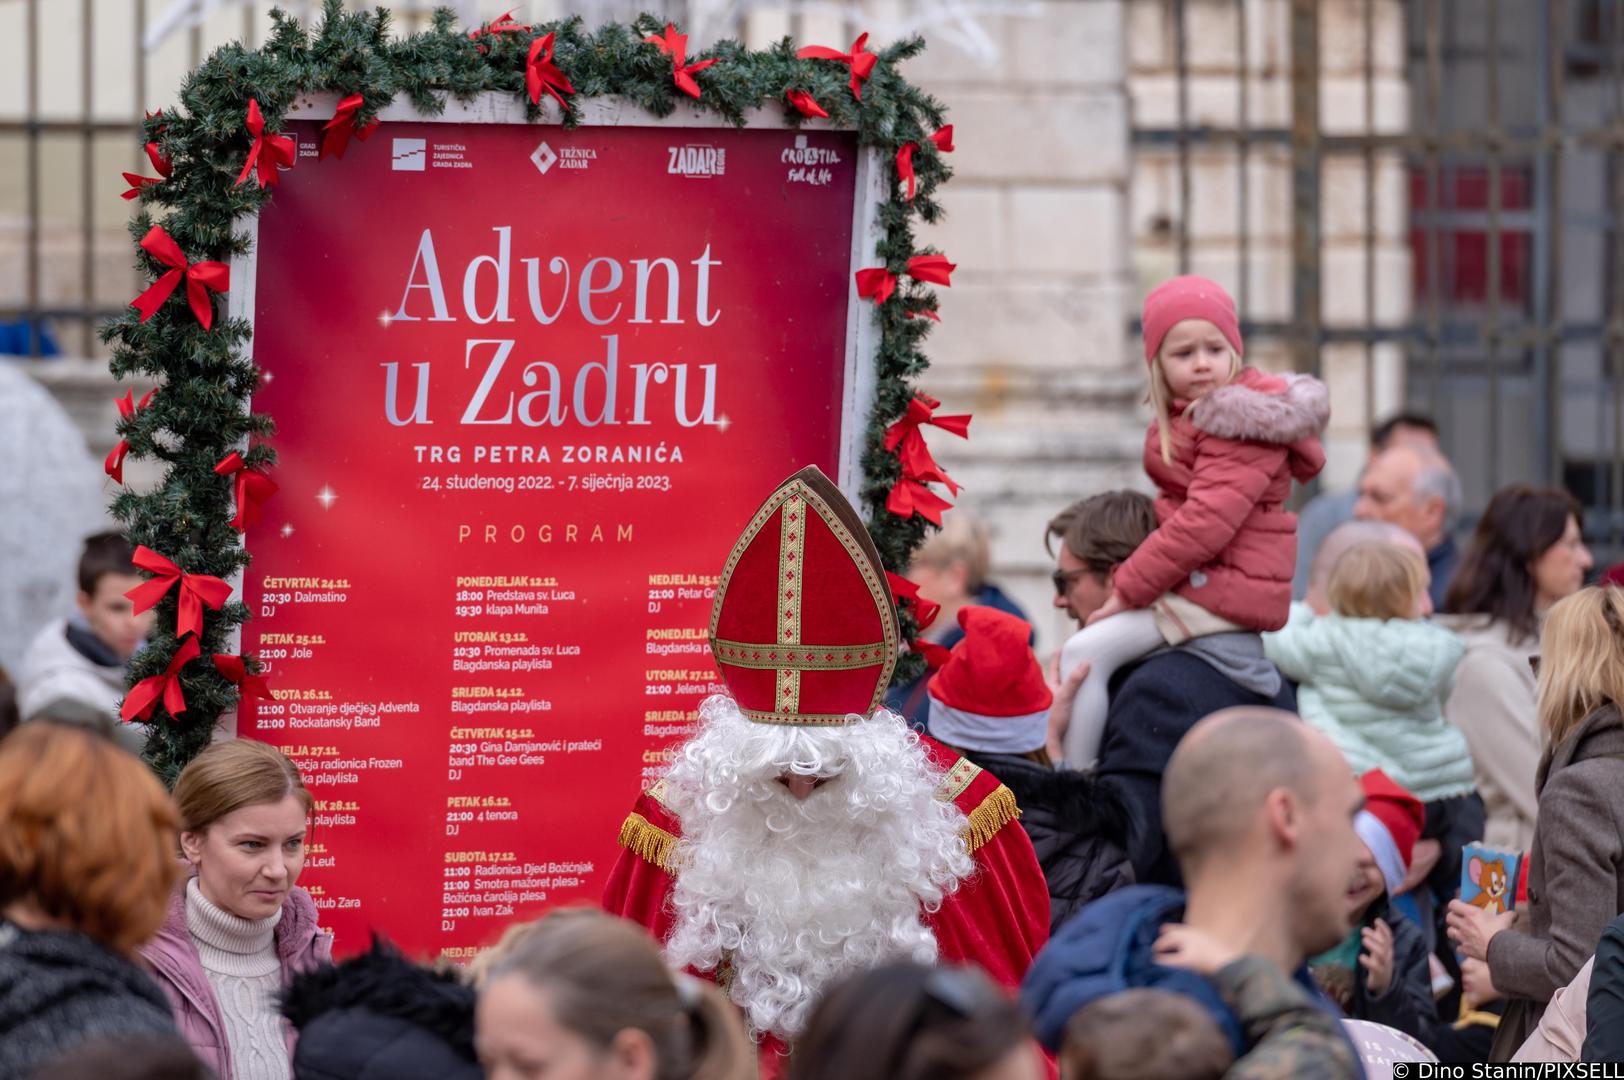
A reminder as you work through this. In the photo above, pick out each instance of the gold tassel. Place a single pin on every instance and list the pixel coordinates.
(996, 810)
(647, 841)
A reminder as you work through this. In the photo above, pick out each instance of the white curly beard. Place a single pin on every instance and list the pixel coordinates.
(797, 893)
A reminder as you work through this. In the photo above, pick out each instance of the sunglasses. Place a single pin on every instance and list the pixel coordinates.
(1063, 578)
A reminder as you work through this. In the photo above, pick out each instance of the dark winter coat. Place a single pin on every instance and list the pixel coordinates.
(1575, 875)
(1604, 1008)
(381, 1017)
(1408, 1005)
(61, 989)
(1152, 705)
(1079, 829)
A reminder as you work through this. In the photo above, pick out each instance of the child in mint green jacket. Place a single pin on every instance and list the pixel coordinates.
(1373, 675)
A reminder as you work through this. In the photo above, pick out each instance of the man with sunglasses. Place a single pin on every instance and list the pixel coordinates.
(1156, 701)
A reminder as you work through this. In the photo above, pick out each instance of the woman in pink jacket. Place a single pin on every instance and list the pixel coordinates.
(239, 928)
(1226, 444)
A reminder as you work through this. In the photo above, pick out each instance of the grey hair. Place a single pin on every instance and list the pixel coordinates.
(1346, 536)
(1436, 479)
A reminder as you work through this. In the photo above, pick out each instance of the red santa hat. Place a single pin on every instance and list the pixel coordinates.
(1390, 824)
(990, 696)
(1188, 297)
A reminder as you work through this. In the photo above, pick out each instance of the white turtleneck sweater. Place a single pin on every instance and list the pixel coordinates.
(239, 957)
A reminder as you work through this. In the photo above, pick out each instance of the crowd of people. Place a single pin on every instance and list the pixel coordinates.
(1296, 793)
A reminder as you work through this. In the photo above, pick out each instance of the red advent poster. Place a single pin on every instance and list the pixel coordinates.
(528, 384)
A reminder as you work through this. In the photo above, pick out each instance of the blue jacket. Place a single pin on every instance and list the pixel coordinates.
(1106, 949)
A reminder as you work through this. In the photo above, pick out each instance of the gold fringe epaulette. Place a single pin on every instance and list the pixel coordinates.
(648, 841)
(996, 810)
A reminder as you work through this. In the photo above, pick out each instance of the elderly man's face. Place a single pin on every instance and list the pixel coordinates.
(1387, 493)
(1079, 591)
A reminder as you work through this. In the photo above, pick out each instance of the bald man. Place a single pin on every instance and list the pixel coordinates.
(1416, 489)
(1259, 812)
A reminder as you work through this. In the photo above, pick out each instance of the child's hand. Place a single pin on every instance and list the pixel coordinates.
(1113, 606)
(1377, 958)
(1193, 950)
(1476, 985)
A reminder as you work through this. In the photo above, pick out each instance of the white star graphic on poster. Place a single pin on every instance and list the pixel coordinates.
(384, 320)
(266, 376)
(723, 423)
(287, 529)
(326, 496)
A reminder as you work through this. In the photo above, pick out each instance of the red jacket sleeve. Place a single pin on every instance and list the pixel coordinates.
(1229, 477)
(639, 885)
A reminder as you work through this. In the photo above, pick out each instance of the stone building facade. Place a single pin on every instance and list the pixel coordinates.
(1067, 204)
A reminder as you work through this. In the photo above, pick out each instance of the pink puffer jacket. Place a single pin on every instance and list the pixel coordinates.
(1225, 540)
(172, 956)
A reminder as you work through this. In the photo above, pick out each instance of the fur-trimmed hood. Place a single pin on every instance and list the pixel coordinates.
(380, 1015)
(1281, 409)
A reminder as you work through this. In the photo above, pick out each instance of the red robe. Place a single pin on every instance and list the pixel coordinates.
(997, 920)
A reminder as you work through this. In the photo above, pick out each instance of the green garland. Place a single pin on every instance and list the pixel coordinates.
(201, 412)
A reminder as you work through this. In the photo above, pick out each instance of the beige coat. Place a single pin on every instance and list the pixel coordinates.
(1494, 704)
(1561, 1032)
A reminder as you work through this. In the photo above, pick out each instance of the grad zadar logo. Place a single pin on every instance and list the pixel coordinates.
(696, 160)
(410, 155)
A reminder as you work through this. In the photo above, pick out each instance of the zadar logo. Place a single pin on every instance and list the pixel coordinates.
(692, 160)
(411, 155)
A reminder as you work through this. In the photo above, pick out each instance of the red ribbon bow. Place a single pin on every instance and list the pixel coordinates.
(249, 685)
(268, 151)
(903, 590)
(136, 181)
(806, 104)
(909, 496)
(925, 612)
(503, 24)
(675, 45)
(196, 590)
(335, 134)
(934, 654)
(943, 141)
(127, 405)
(145, 695)
(201, 277)
(880, 283)
(860, 60)
(540, 73)
(905, 439)
(254, 488)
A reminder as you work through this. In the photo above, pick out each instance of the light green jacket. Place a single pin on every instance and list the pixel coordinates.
(1376, 687)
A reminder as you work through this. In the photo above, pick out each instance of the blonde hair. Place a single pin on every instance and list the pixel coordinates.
(962, 539)
(1377, 580)
(230, 775)
(87, 833)
(603, 975)
(1161, 399)
(1582, 660)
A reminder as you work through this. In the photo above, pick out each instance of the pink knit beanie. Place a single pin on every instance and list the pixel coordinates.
(1189, 297)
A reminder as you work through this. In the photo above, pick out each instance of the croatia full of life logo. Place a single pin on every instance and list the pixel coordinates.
(696, 159)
